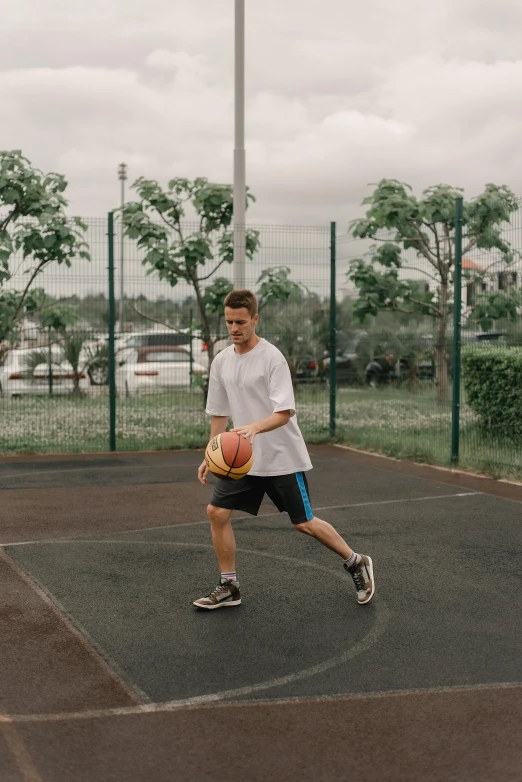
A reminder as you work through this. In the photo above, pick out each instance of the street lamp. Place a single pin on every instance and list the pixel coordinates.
(122, 176)
(239, 148)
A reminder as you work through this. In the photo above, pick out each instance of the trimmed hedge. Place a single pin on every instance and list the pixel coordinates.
(492, 378)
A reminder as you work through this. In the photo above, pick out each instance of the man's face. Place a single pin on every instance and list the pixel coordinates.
(240, 324)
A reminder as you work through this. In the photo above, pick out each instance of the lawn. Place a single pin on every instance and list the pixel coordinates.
(394, 422)
(411, 425)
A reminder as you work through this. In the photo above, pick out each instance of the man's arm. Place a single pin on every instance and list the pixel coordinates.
(218, 426)
(273, 421)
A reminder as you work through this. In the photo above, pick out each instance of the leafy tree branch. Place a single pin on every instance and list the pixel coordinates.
(425, 225)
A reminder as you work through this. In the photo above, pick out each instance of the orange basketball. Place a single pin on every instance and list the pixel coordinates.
(229, 456)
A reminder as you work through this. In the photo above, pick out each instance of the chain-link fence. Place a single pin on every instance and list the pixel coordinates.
(391, 398)
(391, 393)
(55, 380)
(491, 433)
(387, 400)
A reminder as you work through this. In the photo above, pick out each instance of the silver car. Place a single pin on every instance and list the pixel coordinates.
(16, 380)
(155, 369)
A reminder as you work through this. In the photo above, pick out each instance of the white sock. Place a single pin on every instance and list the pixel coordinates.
(228, 577)
(353, 560)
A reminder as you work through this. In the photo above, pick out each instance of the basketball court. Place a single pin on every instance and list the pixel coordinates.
(108, 672)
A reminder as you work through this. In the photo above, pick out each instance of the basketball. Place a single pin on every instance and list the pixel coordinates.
(229, 456)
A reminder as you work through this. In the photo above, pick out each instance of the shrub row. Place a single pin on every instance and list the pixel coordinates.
(492, 378)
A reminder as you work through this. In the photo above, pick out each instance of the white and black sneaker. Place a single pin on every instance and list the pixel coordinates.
(362, 575)
(225, 594)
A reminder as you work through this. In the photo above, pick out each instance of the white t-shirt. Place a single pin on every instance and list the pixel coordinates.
(251, 386)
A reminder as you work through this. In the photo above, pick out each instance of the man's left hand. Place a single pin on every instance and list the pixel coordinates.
(249, 431)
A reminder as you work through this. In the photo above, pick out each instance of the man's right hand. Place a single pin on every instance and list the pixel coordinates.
(202, 473)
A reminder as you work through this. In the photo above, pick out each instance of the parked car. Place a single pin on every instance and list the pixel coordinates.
(163, 338)
(153, 369)
(346, 359)
(16, 381)
(99, 370)
(309, 370)
(388, 369)
(482, 336)
(385, 369)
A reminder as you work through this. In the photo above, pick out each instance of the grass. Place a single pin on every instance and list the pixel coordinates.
(411, 425)
(394, 422)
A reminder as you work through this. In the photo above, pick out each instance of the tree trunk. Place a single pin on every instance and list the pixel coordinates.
(77, 376)
(205, 325)
(210, 349)
(441, 359)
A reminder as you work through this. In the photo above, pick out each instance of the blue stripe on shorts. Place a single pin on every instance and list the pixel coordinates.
(304, 495)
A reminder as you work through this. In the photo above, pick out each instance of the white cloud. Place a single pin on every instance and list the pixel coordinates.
(339, 95)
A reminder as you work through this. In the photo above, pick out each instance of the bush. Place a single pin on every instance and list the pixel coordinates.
(492, 379)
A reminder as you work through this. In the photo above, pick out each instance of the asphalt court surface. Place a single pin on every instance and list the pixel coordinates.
(118, 547)
(447, 612)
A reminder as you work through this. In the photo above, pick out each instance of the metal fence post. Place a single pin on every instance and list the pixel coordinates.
(457, 311)
(333, 328)
(191, 356)
(50, 378)
(112, 356)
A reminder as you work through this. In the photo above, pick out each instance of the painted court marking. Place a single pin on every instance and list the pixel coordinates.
(75, 629)
(226, 698)
(19, 751)
(100, 468)
(241, 518)
(381, 620)
(158, 708)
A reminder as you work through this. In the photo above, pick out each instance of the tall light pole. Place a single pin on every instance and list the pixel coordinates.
(239, 148)
(122, 176)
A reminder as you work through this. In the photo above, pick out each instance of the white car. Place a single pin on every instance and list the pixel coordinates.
(99, 372)
(156, 338)
(15, 382)
(152, 369)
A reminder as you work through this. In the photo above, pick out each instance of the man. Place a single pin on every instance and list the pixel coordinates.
(250, 382)
(381, 370)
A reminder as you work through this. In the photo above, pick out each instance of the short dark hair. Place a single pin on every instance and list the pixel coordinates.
(238, 299)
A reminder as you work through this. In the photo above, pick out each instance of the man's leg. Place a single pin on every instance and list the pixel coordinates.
(359, 566)
(327, 535)
(223, 538)
(227, 591)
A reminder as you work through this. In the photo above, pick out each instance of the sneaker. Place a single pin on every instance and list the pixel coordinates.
(362, 575)
(225, 594)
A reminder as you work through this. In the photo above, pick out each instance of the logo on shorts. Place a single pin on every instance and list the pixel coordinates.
(214, 444)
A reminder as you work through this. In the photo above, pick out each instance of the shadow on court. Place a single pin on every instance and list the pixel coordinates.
(108, 673)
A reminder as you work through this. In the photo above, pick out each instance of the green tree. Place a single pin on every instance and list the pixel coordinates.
(497, 306)
(33, 223)
(213, 301)
(274, 288)
(426, 226)
(75, 348)
(180, 255)
(296, 337)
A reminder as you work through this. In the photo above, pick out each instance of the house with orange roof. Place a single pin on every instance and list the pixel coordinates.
(477, 280)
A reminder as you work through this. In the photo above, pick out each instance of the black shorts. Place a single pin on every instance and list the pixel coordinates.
(288, 493)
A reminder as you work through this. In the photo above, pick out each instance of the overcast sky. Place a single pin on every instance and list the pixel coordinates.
(339, 94)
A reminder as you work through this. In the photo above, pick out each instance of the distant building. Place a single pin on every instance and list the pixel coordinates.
(497, 277)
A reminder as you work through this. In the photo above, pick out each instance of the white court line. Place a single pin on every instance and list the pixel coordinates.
(158, 708)
(227, 698)
(19, 751)
(241, 518)
(77, 631)
(29, 474)
(408, 499)
(381, 614)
